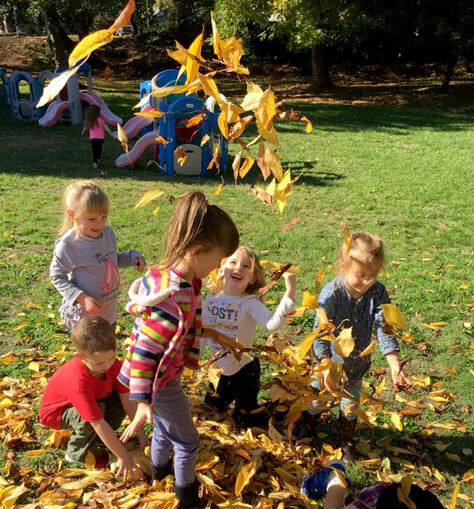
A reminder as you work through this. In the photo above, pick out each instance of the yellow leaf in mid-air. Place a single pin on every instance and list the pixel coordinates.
(210, 88)
(274, 266)
(122, 137)
(148, 197)
(205, 139)
(232, 51)
(394, 317)
(90, 43)
(347, 236)
(196, 120)
(245, 168)
(218, 191)
(124, 18)
(306, 345)
(253, 97)
(192, 67)
(244, 477)
(181, 155)
(222, 123)
(318, 280)
(272, 161)
(454, 496)
(266, 110)
(368, 350)
(309, 125)
(344, 343)
(216, 39)
(310, 300)
(162, 140)
(55, 86)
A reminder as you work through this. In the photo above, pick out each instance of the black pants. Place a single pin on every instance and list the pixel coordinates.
(242, 388)
(96, 144)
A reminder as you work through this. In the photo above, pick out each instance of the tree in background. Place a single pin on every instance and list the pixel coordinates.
(315, 25)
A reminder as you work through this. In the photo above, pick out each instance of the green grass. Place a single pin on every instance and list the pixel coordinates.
(405, 174)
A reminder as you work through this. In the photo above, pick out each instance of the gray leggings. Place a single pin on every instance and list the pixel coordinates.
(173, 427)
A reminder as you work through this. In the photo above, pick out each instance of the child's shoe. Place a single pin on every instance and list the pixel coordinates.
(315, 484)
(159, 473)
(252, 419)
(188, 496)
(215, 402)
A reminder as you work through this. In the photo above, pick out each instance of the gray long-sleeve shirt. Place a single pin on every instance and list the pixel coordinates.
(363, 315)
(90, 265)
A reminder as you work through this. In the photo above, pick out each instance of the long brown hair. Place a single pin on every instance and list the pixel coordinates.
(91, 116)
(196, 222)
(217, 286)
(82, 197)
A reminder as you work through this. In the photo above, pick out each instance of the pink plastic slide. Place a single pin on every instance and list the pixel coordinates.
(53, 113)
(105, 112)
(135, 125)
(140, 147)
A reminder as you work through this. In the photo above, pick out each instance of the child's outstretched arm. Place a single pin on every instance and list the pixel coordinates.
(143, 414)
(126, 465)
(107, 128)
(130, 408)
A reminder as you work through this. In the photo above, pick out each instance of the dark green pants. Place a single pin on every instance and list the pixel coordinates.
(83, 436)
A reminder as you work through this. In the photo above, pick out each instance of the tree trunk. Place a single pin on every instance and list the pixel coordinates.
(448, 74)
(62, 43)
(320, 67)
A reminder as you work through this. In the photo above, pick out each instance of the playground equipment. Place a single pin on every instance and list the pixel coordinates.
(178, 109)
(67, 106)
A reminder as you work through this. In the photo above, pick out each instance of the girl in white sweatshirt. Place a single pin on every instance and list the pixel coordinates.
(233, 310)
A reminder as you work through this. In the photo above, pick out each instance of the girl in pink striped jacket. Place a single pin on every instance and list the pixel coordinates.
(166, 336)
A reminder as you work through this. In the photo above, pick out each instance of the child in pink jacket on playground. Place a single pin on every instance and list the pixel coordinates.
(96, 125)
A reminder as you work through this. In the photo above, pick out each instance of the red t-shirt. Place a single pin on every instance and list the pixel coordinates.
(74, 385)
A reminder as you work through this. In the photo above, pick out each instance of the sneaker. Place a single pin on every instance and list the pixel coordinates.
(95, 166)
(315, 484)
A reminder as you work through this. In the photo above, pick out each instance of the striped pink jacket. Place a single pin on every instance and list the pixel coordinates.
(165, 335)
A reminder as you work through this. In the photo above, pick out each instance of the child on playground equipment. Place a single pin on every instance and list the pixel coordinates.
(166, 336)
(96, 125)
(234, 310)
(85, 396)
(85, 261)
(354, 299)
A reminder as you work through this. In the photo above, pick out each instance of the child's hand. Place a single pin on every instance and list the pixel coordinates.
(91, 305)
(290, 283)
(400, 379)
(127, 468)
(143, 414)
(139, 263)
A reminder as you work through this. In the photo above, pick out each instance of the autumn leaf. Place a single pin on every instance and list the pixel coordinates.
(368, 350)
(216, 40)
(196, 120)
(89, 44)
(218, 191)
(309, 125)
(318, 280)
(396, 421)
(393, 316)
(55, 86)
(245, 168)
(344, 343)
(236, 164)
(205, 139)
(291, 224)
(306, 345)
(244, 477)
(262, 195)
(262, 164)
(122, 137)
(310, 300)
(148, 197)
(273, 163)
(162, 140)
(347, 236)
(108, 73)
(181, 155)
(124, 17)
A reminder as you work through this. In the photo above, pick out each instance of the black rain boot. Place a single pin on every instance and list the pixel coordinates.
(188, 496)
(258, 418)
(159, 473)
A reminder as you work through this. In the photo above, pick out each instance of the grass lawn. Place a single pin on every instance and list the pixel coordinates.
(405, 174)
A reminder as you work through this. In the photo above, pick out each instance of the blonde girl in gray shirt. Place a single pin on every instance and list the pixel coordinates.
(85, 262)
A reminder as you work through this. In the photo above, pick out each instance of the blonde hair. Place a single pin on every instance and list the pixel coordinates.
(93, 334)
(257, 271)
(364, 248)
(196, 222)
(82, 197)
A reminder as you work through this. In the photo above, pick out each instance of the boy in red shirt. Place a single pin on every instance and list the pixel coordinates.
(85, 396)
